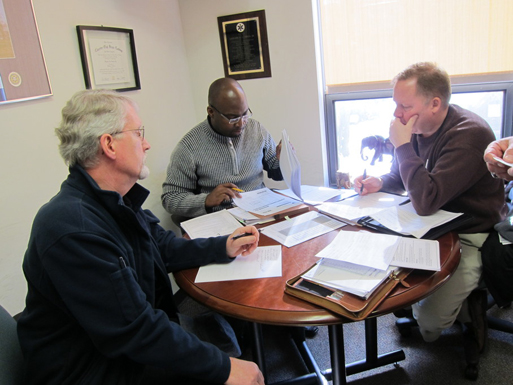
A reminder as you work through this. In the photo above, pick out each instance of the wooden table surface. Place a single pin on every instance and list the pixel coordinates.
(264, 300)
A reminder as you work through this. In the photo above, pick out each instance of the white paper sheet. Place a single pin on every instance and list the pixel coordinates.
(264, 202)
(351, 209)
(301, 228)
(417, 254)
(314, 195)
(362, 248)
(290, 166)
(405, 220)
(211, 225)
(264, 262)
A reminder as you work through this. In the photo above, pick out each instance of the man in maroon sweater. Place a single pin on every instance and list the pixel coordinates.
(439, 163)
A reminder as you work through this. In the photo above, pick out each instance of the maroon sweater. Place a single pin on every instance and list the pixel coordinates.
(446, 171)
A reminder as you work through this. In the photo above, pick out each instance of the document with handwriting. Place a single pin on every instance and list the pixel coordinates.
(264, 262)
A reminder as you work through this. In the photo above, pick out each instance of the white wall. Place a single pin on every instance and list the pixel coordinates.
(33, 169)
(179, 55)
(287, 100)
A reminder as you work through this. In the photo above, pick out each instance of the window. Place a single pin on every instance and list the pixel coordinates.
(365, 43)
(355, 116)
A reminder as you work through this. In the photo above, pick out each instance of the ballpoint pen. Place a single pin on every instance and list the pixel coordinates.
(237, 189)
(364, 177)
(244, 235)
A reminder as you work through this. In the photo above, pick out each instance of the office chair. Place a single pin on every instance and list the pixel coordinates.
(11, 358)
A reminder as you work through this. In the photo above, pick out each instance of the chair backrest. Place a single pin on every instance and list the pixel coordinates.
(11, 358)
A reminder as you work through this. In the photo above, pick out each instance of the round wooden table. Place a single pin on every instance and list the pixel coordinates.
(263, 301)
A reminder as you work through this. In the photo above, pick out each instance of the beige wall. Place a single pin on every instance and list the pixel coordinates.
(179, 55)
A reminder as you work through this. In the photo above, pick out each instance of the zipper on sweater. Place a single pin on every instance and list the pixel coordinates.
(233, 154)
(122, 263)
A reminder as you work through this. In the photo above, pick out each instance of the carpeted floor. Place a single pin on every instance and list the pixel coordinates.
(441, 362)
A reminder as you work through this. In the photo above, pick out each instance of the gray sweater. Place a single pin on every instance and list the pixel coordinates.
(203, 159)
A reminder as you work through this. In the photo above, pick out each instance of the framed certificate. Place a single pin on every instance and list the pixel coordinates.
(108, 58)
(23, 74)
(244, 45)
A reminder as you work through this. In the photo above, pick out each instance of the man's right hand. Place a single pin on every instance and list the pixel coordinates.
(244, 373)
(503, 149)
(223, 192)
(370, 185)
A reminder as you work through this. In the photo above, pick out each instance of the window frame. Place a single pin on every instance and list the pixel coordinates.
(332, 98)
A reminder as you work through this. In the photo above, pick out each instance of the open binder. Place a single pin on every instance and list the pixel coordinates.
(346, 304)
(434, 233)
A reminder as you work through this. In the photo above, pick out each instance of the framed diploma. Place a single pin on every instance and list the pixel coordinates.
(244, 45)
(108, 58)
(23, 74)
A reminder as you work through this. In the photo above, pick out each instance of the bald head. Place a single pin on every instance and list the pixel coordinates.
(226, 101)
(225, 90)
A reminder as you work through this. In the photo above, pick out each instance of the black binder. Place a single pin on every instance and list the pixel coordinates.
(434, 233)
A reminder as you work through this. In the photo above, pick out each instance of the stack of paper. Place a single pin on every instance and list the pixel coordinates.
(379, 251)
(355, 279)
(358, 262)
(247, 218)
(264, 202)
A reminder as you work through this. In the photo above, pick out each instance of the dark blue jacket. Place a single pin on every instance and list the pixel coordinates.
(99, 305)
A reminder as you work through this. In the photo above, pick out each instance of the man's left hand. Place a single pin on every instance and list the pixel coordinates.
(278, 151)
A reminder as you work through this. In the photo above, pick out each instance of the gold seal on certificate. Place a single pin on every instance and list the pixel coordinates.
(15, 79)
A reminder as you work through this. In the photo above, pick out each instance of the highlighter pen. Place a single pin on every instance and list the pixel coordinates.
(237, 189)
(244, 235)
(364, 177)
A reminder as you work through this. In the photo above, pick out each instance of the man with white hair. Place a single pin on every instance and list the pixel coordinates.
(99, 308)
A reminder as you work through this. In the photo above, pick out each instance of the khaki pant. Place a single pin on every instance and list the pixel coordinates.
(439, 311)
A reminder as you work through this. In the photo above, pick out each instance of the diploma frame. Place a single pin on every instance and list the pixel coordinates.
(244, 45)
(108, 58)
(23, 72)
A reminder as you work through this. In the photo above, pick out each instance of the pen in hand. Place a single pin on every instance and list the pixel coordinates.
(237, 189)
(243, 235)
(364, 177)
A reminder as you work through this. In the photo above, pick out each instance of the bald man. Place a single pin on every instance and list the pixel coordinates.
(226, 153)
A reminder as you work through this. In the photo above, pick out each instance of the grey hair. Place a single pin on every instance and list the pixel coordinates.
(85, 118)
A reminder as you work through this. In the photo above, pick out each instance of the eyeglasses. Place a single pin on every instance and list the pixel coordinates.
(248, 114)
(139, 130)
